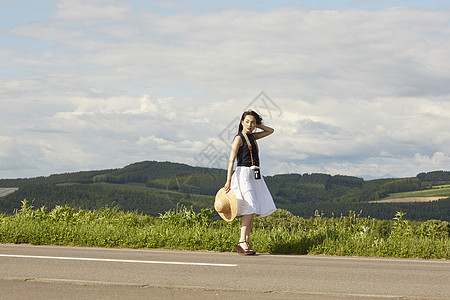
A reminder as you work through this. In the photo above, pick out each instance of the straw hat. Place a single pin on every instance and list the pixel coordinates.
(226, 205)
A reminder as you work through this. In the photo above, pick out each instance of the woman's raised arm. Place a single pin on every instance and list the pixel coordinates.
(266, 131)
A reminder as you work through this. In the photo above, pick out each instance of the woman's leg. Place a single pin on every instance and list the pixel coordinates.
(246, 227)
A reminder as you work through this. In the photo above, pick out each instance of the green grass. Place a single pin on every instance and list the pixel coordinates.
(435, 191)
(185, 229)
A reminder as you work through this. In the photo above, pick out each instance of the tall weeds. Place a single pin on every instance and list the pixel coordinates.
(281, 232)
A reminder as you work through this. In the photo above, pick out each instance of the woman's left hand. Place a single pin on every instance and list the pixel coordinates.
(227, 187)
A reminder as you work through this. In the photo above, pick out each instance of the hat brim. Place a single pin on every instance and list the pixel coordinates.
(231, 198)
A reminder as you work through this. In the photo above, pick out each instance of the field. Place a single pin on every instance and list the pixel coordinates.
(409, 200)
(6, 191)
(173, 197)
(437, 192)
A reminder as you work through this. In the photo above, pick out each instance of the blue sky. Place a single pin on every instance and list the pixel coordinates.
(351, 87)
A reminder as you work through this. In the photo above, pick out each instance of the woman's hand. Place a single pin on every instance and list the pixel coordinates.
(227, 187)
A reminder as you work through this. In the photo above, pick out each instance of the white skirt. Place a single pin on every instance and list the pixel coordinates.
(253, 196)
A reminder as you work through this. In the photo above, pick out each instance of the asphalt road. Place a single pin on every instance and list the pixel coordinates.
(50, 272)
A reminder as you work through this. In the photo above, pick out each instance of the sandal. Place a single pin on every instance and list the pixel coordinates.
(243, 251)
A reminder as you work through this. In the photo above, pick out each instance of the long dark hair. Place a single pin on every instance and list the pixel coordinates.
(251, 113)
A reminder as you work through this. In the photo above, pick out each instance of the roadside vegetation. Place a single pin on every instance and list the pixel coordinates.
(183, 228)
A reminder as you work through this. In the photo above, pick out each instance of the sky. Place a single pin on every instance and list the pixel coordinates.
(351, 87)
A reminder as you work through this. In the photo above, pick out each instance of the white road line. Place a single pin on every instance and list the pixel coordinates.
(120, 260)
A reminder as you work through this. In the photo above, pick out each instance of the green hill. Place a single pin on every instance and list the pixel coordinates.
(152, 188)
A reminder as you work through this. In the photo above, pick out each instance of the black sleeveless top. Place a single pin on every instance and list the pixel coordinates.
(244, 158)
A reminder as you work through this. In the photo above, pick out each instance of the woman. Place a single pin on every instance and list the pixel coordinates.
(251, 192)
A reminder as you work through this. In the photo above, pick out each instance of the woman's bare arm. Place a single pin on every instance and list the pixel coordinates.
(237, 142)
(266, 130)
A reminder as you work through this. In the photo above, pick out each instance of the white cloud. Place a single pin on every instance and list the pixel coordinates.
(437, 159)
(99, 84)
(113, 105)
(12, 157)
(90, 10)
(348, 53)
(189, 148)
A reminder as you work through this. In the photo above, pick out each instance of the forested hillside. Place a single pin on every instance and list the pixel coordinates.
(154, 187)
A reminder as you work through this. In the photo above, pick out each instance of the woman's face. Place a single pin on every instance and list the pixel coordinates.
(249, 123)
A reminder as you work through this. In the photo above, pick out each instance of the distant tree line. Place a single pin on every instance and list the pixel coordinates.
(173, 183)
(97, 196)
